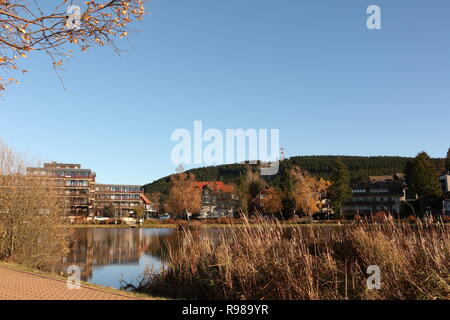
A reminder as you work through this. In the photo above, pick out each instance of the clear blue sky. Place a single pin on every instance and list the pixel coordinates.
(309, 68)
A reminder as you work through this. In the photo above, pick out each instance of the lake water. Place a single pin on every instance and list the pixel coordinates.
(105, 256)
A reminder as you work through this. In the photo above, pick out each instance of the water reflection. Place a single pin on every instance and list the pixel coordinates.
(107, 255)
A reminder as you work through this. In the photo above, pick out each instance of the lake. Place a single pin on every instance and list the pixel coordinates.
(105, 256)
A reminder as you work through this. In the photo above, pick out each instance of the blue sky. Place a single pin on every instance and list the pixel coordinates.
(309, 68)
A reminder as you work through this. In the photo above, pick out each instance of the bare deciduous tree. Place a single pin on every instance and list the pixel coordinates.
(32, 227)
(27, 26)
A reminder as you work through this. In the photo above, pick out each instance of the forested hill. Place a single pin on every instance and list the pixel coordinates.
(322, 166)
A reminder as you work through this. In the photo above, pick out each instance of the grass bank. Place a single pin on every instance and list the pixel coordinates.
(273, 262)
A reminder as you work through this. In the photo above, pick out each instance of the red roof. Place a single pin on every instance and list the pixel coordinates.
(217, 186)
(145, 199)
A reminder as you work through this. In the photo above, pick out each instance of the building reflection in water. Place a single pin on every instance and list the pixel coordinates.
(105, 255)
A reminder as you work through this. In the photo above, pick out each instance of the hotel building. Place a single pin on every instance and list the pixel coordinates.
(84, 197)
(76, 185)
(122, 198)
(382, 193)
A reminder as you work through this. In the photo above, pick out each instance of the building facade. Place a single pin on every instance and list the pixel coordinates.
(120, 198)
(217, 199)
(446, 206)
(445, 182)
(76, 185)
(83, 197)
(386, 195)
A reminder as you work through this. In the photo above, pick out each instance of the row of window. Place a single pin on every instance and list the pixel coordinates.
(373, 208)
(75, 202)
(373, 199)
(76, 192)
(86, 173)
(124, 204)
(118, 189)
(72, 183)
(370, 190)
(118, 196)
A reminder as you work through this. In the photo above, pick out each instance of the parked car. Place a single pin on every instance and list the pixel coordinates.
(164, 217)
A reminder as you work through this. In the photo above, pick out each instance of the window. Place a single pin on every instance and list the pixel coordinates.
(378, 190)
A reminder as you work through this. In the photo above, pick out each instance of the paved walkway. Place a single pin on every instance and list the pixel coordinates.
(22, 285)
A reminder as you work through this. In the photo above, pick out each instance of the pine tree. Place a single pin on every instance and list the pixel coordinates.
(109, 211)
(340, 190)
(287, 193)
(243, 196)
(422, 177)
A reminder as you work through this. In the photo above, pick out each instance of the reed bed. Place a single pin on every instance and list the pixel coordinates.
(269, 261)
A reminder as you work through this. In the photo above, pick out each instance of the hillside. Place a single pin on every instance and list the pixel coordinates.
(321, 166)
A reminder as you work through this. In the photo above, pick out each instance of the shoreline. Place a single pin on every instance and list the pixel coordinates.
(217, 225)
(202, 225)
(121, 226)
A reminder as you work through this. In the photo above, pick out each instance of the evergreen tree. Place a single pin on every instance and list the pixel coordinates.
(422, 177)
(243, 196)
(447, 162)
(340, 190)
(287, 193)
(359, 168)
(254, 185)
(109, 211)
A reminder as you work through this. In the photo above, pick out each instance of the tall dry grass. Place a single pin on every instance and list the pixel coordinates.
(269, 261)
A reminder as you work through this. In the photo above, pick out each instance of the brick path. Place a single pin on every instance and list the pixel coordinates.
(22, 285)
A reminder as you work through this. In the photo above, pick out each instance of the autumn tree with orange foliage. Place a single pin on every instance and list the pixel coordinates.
(307, 191)
(184, 197)
(271, 201)
(26, 27)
